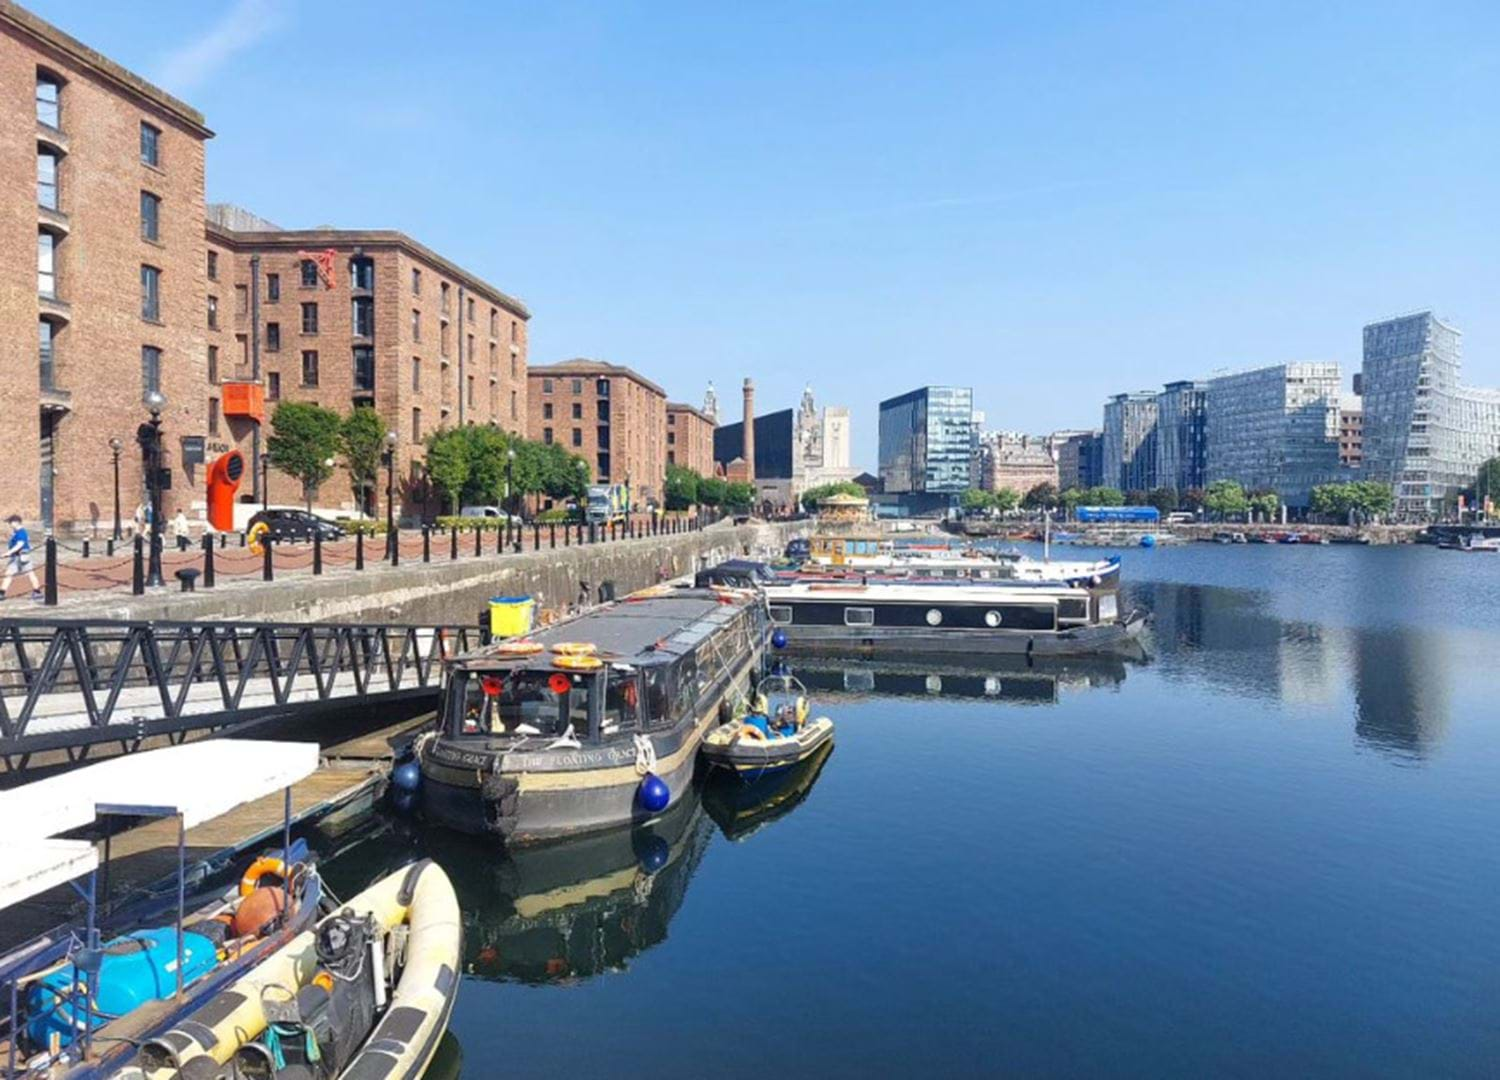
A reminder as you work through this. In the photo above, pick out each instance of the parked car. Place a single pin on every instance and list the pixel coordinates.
(282, 526)
(482, 512)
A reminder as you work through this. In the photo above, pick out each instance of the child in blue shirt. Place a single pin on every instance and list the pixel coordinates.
(18, 558)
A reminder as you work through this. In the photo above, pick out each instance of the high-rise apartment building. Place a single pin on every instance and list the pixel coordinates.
(1275, 428)
(926, 441)
(1130, 435)
(613, 417)
(1425, 433)
(1181, 435)
(1080, 458)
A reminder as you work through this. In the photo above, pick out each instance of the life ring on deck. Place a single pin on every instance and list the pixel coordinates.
(518, 648)
(255, 539)
(753, 733)
(573, 648)
(266, 864)
(577, 662)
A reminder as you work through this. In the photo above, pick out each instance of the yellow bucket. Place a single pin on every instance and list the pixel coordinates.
(510, 616)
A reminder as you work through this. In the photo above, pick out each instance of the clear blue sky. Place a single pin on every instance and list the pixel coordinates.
(1050, 202)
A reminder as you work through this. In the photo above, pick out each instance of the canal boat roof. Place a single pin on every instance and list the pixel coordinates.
(648, 627)
(971, 592)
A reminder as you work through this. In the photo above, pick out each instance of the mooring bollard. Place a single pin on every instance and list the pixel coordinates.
(317, 553)
(580, 532)
(266, 571)
(208, 562)
(478, 539)
(85, 547)
(138, 568)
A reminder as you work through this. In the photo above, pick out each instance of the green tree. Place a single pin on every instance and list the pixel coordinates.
(1135, 497)
(1071, 498)
(304, 439)
(1373, 498)
(1164, 499)
(1103, 496)
(448, 464)
(1005, 500)
(975, 501)
(711, 491)
(681, 488)
(1225, 497)
(1487, 482)
(1042, 496)
(739, 496)
(1264, 503)
(362, 441)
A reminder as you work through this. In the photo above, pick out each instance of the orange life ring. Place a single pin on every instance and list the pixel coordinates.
(573, 648)
(755, 734)
(266, 864)
(522, 647)
(577, 662)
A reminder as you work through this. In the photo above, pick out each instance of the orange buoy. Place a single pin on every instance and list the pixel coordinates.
(256, 911)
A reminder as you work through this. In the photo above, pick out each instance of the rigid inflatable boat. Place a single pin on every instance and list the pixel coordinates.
(776, 732)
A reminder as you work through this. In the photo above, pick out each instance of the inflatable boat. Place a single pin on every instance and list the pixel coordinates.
(368, 993)
(776, 732)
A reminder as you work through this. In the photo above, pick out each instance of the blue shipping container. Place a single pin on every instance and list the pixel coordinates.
(1136, 514)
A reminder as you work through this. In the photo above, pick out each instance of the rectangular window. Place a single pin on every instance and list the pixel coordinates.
(46, 264)
(780, 614)
(46, 179)
(213, 312)
(150, 369)
(513, 370)
(577, 410)
(859, 616)
(443, 295)
(213, 266)
(494, 401)
(547, 436)
(601, 436)
(45, 352)
(309, 318)
(671, 438)
(273, 337)
(546, 410)
(151, 296)
(361, 272)
(514, 406)
(241, 299)
(416, 282)
(150, 145)
(213, 363)
(602, 464)
(213, 416)
(577, 386)
(150, 217)
(309, 367)
(471, 309)
(470, 353)
(416, 325)
(578, 436)
(443, 339)
(48, 101)
(546, 386)
(603, 407)
(416, 373)
(470, 392)
(363, 316)
(416, 425)
(364, 368)
(513, 330)
(273, 386)
(671, 457)
(494, 323)
(494, 359)
(309, 274)
(602, 388)
(273, 288)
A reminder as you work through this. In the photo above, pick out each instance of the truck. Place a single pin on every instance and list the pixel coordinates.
(607, 503)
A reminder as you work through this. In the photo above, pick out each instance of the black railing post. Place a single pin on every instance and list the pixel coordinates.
(501, 537)
(317, 553)
(580, 532)
(426, 543)
(453, 543)
(359, 550)
(138, 568)
(208, 561)
(109, 547)
(396, 546)
(536, 536)
(49, 574)
(478, 540)
(266, 572)
(567, 534)
(85, 547)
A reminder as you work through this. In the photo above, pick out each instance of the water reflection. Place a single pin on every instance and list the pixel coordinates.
(742, 809)
(1012, 679)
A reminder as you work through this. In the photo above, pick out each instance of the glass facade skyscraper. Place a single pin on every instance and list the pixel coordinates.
(927, 440)
(1425, 433)
(1275, 428)
(1181, 435)
(1130, 441)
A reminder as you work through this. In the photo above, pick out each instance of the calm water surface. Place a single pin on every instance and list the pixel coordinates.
(1270, 848)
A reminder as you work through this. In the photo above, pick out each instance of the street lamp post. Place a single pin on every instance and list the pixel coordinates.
(155, 401)
(510, 490)
(115, 446)
(265, 478)
(390, 493)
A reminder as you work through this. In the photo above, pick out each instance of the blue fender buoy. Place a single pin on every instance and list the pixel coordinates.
(652, 852)
(404, 801)
(653, 794)
(407, 776)
(1148, 541)
(778, 638)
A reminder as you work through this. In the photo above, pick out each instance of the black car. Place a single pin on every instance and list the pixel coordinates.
(736, 574)
(283, 526)
(798, 549)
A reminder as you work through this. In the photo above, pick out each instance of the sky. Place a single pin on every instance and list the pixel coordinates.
(1050, 203)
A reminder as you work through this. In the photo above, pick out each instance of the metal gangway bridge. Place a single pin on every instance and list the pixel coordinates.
(72, 686)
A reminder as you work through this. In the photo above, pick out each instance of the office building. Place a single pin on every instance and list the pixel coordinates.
(1181, 433)
(926, 441)
(1275, 428)
(1425, 432)
(1011, 460)
(1130, 436)
(1351, 432)
(690, 438)
(611, 416)
(1080, 458)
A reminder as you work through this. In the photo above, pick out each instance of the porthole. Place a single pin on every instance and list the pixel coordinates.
(934, 617)
(991, 618)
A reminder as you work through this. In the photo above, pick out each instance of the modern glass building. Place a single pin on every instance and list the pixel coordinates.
(1275, 428)
(1181, 435)
(1425, 433)
(926, 441)
(1130, 435)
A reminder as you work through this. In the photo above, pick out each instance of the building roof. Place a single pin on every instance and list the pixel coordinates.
(582, 365)
(678, 406)
(324, 237)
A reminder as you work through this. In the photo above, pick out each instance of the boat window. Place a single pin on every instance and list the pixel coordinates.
(1073, 607)
(1109, 607)
(504, 702)
(622, 703)
(781, 614)
(687, 683)
(658, 696)
(859, 616)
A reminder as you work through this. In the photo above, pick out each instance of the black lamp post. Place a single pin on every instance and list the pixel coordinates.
(510, 489)
(115, 446)
(155, 401)
(390, 493)
(265, 480)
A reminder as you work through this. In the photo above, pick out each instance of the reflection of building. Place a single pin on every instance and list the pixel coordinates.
(1080, 459)
(613, 417)
(1130, 441)
(1425, 433)
(1275, 428)
(1181, 435)
(1401, 690)
(926, 441)
(1009, 459)
(690, 438)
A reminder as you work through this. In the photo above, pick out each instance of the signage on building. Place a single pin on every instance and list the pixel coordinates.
(193, 450)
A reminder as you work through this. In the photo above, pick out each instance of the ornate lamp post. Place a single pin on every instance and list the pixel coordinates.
(155, 401)
(510, 490)
(115, 446)
(390, 493)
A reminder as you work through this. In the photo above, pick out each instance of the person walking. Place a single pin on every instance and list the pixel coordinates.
(181, 531)
(18, 558)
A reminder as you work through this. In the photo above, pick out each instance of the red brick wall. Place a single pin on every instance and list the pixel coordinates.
(690, 440)
(638, 422)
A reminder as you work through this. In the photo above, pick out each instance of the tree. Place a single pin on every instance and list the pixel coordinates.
(304, 440)
(812, 496)
(1005, 500)
(1192, 499)
(1071, 498)
(1103, 496)
(1225, 497)
(1042, 496)
(1264, 503)
(362, 440)
(739, 495)
(1164, 499)
(1362, 498)
(975, 501)
(681, 488)
(711, 491)
(1487, 482)
(448, 464)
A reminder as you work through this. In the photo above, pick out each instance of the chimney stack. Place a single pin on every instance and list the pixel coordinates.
(749, 449)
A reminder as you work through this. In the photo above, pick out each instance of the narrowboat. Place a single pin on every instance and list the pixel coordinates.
(1043, 619)
(869, 555)
(592, 723)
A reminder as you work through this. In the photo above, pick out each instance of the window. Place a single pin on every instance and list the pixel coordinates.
(416, 282)
(273, 386)
(442, 339)
(150, 145)
(577, 410)
(514, 406)
(213, 363)
(494, 323)
(547, 436)
(671, 457)
(780, 615)
(471, 309)
(361, 272)
(213, 416)
(602, 464)
(273, 288)
(364, 367)
(546, 410)
(494, 401)
(513, 330)
(601, 437)
(309, 367)
(273, 337)
(363, 316)
(46, 179)
(48, 100)
(494, 359)
(213, 266)
(416, 425)
(603, 407)
(150, 217)
(151, 297)
(471, 347)
(241, 299)
(309, 274)
(470, 392)
(443, 295)
(150, 369)
(546, 386)
(46, 264)
(602, 388)
(578, 436)
(416, 374)
(46, 332)
(671, 438)
(859, 616)
(513, 373)
(577, 386)
(213, 312)
(309, 318)
(416, 325)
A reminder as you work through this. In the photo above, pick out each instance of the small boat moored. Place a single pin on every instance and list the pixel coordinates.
(774, 734)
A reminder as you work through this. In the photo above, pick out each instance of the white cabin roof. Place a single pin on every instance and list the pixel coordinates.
(969, 592)
(31, 867)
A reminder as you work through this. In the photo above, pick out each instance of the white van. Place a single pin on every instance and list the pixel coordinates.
(482, 512)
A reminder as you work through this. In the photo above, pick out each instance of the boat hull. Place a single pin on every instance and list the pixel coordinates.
(751, 759)
(905, 641)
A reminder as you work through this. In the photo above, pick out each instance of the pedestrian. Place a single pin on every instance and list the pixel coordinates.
(18, 558)
(181, 531)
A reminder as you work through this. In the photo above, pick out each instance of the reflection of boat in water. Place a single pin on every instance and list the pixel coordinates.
(1001, 678)
(741, 809)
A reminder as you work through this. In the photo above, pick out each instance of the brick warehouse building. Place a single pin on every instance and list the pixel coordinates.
(613, 417)
(400, 329)
(107, 187)
(690, 438)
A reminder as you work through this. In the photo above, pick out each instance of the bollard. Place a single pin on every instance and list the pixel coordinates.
(552, 534)
(453, 543)
(109, 547)
(359, 550)
(138, 569)
(243, 540)
(49, 575)
(208, 562)
(479, 539)
(611, 530)
(500, 538)
(567, 534)
(593, 534)
(317, 553)
(426, 543)
(265, 560)
(223, 541)
(580, 532)
(85, 547)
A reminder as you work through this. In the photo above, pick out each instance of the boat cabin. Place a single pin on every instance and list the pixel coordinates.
(843, 549)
